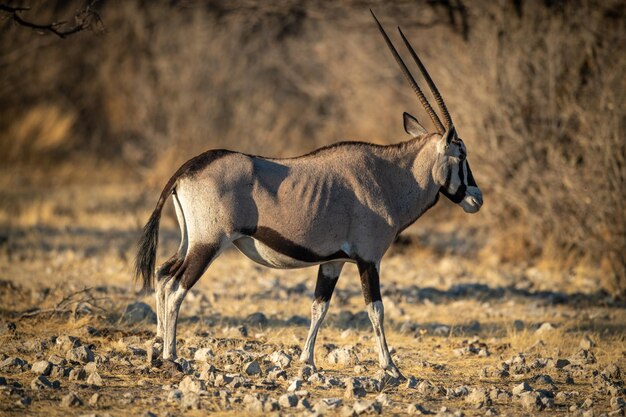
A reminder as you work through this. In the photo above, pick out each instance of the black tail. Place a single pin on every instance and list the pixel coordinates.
(147, 247)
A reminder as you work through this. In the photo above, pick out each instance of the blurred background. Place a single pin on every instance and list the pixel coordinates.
(93, 125)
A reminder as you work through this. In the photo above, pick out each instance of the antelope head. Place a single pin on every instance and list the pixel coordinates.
(451, 171)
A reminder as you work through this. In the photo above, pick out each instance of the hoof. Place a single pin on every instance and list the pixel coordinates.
(154, 350)
(390, 376)
(304, 360)
(170, 367)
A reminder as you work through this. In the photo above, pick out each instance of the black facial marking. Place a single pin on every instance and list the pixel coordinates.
(281, 244)
(325, 285)
(370, 284)
(459, 195)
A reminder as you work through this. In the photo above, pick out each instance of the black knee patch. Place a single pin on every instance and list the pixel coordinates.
(324, 286)
(370, 282)
(170, 267)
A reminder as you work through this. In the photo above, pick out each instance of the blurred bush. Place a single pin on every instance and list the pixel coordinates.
(536, 88)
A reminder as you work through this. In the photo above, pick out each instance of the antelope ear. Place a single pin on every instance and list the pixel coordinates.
(412, 126)
(450, 134)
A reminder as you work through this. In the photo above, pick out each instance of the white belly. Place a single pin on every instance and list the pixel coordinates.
(267, 256)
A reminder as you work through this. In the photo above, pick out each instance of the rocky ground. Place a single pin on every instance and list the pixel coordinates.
(471, 339)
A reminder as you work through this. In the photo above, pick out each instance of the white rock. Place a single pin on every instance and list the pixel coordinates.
(191, 384)
(280, 358)
(295, 385)
(42, 368)
(343, 356)
(544, 328)
(288, 400)
(203, 354)
(95, 379)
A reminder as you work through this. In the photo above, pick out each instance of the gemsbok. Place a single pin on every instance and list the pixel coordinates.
(342, 203)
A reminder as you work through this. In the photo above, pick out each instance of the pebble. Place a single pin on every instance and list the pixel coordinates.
(66, 342)
(326, 404)
(203, 354)
(257, 319)
(191, 384)
(478, 398)
(175, 396)
(57, 360)
(295, 385)
(13, 364)
(138, 312)
(95, 399)
(460, 391)
(586, 343)
(91, 367)
(41, 382)
(252, 368)
(253, 404)
(95, 379)
(190, 401)
(612, 371)
(276, 373)
(384, 399)
(77, 374)
(617, 403)
(531, 401)
(281, 359)
(561, 363)
(354, 389)
(42, 368)
(343, 356)
(71, 400)
(8, 328)
(288, 400)
(544, 328)
(522, 388)
(427, 388)
(80, 354)
(367, 407)
(24, 401)
(416, 409)
(411, 382)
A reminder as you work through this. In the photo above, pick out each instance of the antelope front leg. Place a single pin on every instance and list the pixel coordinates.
(326, 280)
(370, 285)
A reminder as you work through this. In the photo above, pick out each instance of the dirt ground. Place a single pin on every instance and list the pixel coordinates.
(472, 337)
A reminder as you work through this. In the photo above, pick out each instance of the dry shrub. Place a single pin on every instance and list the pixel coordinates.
(555, 148)
(536, 90)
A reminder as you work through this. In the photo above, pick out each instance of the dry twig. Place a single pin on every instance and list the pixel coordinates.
(69, 304)
(85, 19)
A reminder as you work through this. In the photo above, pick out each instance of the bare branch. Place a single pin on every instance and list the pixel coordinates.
(85, 19)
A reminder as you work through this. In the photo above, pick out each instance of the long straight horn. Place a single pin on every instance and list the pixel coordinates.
(410, 79)
(429, 81)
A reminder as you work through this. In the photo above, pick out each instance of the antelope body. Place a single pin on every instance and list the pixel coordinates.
(342, 203)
